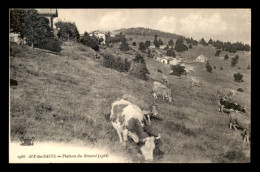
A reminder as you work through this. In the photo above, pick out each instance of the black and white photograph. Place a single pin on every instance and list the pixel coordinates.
(129, 85)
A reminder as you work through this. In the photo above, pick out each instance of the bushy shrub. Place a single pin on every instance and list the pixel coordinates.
(147, 44)
(149, 54)
(117, 63)
(134, 44)
(226, 57)
(221, 68)
(238, 77)
(142, 47)
(124, 45)
(139, 69)
(240, 90)
(208, 67)
(13, 82)
(177, 70)
(180, 47)
(234, 60)
(159, 70)
(14, 49)
(214, 67)
(51, 44)
(217, 53)
(90, 41)
(190, 46)
(171, 53)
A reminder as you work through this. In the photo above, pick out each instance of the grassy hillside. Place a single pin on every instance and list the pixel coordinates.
(65, 98)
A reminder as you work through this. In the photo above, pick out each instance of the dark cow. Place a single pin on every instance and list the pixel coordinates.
(227, 106)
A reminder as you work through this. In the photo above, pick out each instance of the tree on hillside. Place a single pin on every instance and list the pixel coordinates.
(210, 41)
(160, 41)
(37, 32)
(203, 42)
(167, 47)
(190, 46)
(180, 47)
(16, 20)
(179, 41)
(142, 47)
(155, 42)
(67, 30)
(171, 53)
(170, 43)
(217, 53)
(195, 42)
(208, 67)
(234, 60)
(238, 77)
(147, 44)
(138, 68)
(90, 41)
(247, 47)
(124, 45)
(226, 57)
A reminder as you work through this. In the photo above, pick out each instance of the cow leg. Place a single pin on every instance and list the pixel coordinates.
(235, 127)
(119, 132)
(125, 136)
(230, 126)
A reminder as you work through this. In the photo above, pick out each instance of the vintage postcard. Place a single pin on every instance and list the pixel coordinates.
(130, 85)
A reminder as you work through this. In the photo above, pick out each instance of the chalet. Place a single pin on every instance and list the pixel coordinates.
(49, 14)
(99, 35)
(201, 58)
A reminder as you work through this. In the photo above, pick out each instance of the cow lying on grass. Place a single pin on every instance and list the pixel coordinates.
(160, 90)
(239, 120)
(128, 120)
(228, 106)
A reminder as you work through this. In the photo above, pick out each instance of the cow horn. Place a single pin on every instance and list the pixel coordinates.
(159, 136)
(143, 140)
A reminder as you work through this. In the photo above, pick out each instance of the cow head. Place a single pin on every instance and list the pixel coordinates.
(148, 147)
(154, 110)
(243, 109)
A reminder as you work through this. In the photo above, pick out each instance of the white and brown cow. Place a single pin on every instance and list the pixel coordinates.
(128, 120)
(239, 120)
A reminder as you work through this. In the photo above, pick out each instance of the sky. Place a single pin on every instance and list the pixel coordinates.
(219, 24)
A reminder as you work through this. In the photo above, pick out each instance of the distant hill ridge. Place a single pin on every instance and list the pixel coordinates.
(147, 32)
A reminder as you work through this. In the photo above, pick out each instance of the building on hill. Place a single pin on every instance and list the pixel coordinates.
(165, 60)
(99, 35)
(49, 14)
(15, 37)
(163, 46)
(201, 58)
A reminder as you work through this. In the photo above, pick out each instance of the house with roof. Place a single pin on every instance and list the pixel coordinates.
(202, 58)
(99, 35)
(50, 14)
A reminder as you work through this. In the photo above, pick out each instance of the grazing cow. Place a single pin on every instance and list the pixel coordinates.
(239, 120)
(128, 120)
(165, 79)
(226, 105)
(160, 90)
(146, 109)
(232, 92)
(195, 82)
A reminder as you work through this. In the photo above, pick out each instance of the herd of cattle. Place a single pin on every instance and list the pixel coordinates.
(237, 114)
(131, 117)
